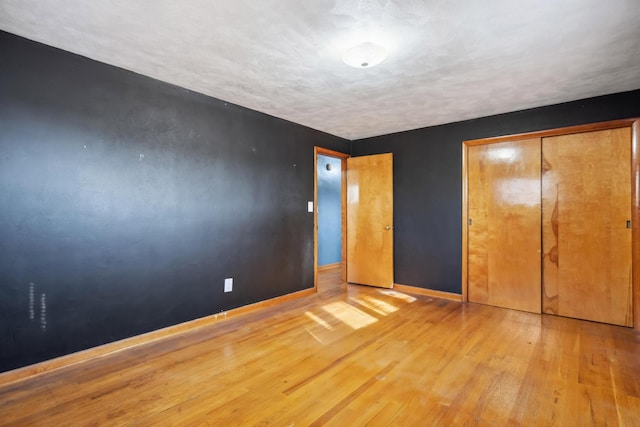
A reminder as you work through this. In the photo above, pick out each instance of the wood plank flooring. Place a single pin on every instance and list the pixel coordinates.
(349, 356)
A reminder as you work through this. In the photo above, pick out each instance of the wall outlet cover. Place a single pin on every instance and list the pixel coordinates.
(228, 284)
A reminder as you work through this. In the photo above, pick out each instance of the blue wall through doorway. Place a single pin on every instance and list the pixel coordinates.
(329, 210)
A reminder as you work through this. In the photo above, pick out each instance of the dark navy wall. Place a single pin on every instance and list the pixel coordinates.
(329, 210)
(125, 202)
(428, 181)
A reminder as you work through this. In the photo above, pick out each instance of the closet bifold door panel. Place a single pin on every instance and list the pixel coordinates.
(586, 226)
(503, 227)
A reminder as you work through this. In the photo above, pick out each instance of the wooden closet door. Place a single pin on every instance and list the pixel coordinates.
(586, 202)
(370, 220)
(503, 233)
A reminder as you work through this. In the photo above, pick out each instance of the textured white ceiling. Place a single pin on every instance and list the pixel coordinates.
(449, 60)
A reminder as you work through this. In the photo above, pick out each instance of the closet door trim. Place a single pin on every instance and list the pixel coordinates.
(635, 221)
(634, 124)
(555, 132)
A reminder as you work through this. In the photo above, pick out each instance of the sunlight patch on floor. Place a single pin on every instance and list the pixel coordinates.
(318, 320)
(384, 306)
(368, 305)
(381, 307)
(398, 295)
(349, 315)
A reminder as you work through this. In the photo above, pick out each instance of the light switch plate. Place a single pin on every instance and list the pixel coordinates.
(309, 206)
(228, 284)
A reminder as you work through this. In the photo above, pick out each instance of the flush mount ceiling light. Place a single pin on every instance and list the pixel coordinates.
(365, 55)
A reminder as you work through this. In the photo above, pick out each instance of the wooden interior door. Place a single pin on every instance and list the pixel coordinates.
(370, 220)
(586, 202)
(503, 233)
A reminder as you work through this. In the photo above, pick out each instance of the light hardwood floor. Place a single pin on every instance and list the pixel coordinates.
(348, 356)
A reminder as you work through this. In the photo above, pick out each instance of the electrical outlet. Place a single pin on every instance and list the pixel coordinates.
(228, 284)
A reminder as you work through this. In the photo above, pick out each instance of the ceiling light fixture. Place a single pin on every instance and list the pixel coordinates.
(365, 55)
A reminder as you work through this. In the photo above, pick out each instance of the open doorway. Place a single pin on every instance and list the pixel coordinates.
(330, 187)
(329, 203)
